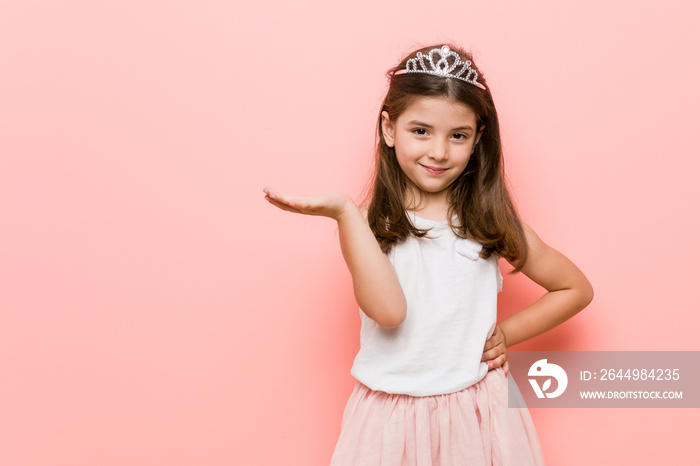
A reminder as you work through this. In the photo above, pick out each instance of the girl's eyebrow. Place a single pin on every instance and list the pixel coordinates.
(420, 123)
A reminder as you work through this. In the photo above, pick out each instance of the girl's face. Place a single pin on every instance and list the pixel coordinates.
(433, 139)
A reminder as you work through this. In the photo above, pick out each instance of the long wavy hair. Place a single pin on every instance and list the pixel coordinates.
(478, 197)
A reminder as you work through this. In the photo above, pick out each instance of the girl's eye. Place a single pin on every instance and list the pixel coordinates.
(460, 136)
(420, 131)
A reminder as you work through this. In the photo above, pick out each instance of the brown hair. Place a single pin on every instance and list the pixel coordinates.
(479, 196)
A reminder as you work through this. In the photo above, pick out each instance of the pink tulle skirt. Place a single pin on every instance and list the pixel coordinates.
(472, 427)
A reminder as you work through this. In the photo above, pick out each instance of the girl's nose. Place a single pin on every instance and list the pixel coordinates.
(438, 151)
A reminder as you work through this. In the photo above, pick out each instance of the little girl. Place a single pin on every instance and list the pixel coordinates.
(423, 253)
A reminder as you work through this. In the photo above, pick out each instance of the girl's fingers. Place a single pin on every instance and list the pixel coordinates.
(328, 204)
(280, 197)
(299, 203)
(492, 353)
(493, 342)
(498, 362)
(282, 205)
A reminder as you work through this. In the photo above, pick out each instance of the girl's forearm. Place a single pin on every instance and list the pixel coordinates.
(546, 313)
(377, 288)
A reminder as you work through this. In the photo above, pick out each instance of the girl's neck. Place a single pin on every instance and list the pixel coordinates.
(430, 206)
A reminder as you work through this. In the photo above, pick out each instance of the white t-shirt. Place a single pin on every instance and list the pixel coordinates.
(451, 294)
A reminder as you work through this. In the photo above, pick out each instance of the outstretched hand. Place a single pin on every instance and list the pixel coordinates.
(328, 205)
(495, 351)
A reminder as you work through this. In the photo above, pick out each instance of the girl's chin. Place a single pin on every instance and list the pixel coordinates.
(432, 189)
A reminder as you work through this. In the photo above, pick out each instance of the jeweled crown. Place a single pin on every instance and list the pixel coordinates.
(457, 69)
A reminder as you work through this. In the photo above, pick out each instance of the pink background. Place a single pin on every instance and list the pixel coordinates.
(155, 309)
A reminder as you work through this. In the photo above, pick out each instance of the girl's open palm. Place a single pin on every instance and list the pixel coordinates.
(327, 205)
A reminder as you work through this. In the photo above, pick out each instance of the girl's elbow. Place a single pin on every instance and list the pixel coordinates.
(586, 295)
(393, 319)
(392, 322)
(590, 294)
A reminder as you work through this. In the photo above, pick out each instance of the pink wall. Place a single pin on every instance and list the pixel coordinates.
(155, 309)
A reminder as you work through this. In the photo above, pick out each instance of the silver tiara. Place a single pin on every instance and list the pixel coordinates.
(443, 68)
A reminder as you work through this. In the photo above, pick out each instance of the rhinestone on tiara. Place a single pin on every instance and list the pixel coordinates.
(458, 69)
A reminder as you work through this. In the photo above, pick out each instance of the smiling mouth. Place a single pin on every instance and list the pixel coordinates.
(433, 170)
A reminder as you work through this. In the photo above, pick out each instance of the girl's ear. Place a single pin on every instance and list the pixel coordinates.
(387, 129)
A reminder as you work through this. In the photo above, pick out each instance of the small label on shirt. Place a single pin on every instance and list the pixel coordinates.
(468, 248)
